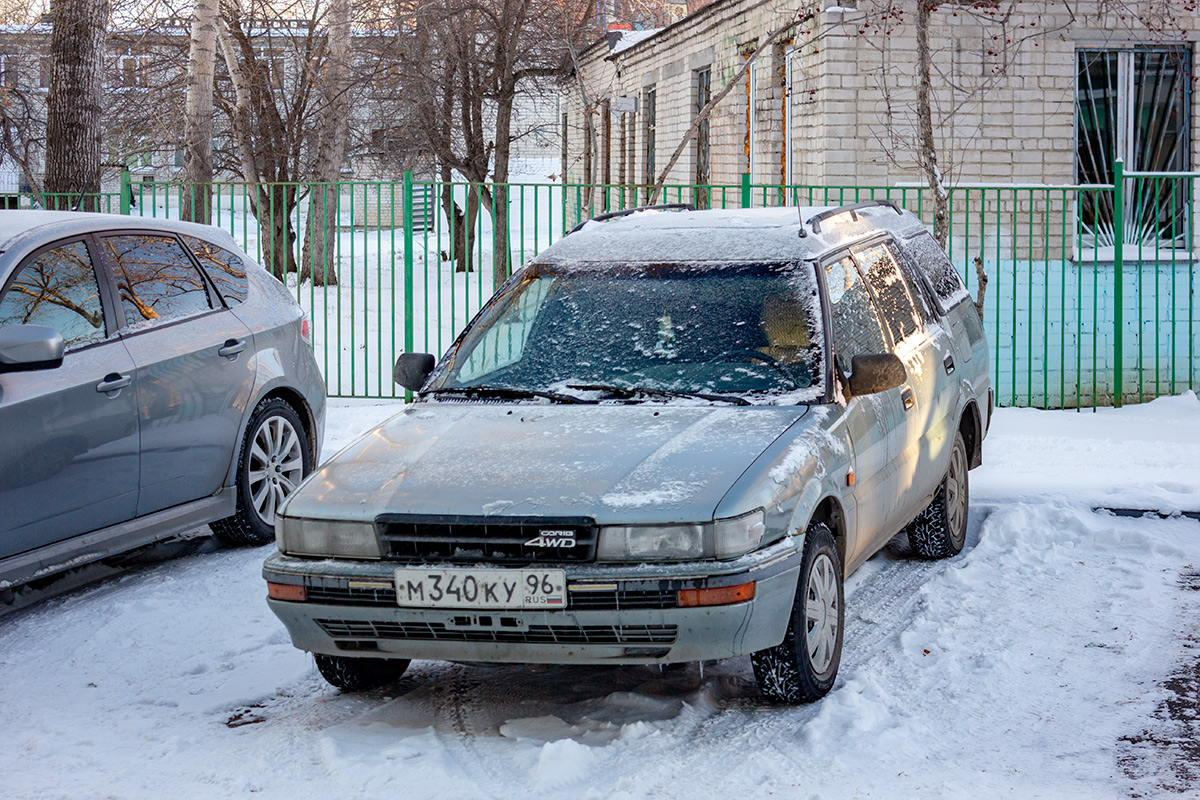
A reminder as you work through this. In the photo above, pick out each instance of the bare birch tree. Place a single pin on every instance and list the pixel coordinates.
(198, 112)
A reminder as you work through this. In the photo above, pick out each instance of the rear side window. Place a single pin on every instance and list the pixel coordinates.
(947, 286)
(57, 288)
(891, 291)
(224, 268)
(155, 278)
(856, 328)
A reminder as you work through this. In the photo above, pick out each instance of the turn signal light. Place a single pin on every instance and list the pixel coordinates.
(291, 592)
(721, 596)
(305, 332)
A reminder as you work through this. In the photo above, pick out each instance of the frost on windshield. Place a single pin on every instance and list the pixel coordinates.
(739, 330)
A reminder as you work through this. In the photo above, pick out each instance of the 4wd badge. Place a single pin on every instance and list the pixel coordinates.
(553, 538)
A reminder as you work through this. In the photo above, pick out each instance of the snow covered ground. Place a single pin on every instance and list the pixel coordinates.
(1035, 664)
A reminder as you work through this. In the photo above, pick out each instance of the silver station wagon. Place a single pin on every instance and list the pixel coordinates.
(668, 438)
(152, 379)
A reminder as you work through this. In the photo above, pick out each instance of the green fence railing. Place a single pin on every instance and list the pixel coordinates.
(1090, 298)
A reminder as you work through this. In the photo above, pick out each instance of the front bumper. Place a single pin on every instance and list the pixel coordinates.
(615, 614)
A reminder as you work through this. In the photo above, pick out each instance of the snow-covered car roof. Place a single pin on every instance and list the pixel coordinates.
(725, 235)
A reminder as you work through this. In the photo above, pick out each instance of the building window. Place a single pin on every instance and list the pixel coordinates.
(703, 145)
(9, 69)
(133, 69)
(651, 140)
(1134, 104)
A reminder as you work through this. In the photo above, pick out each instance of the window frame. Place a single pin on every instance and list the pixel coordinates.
(111, 279)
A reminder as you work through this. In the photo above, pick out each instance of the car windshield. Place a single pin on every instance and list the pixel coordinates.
(732, 332)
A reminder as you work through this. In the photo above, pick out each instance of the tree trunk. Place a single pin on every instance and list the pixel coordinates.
(320, 235)
(460, 252)
(272, 208)
(198, 114)
(926, 147)
(74, 130)
(501, 254)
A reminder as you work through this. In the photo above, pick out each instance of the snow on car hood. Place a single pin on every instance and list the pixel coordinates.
(620, 463)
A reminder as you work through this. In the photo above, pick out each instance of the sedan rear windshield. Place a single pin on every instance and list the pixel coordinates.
(746, 331)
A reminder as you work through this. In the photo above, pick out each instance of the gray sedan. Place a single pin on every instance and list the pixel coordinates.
(667, 439)
(152, 379)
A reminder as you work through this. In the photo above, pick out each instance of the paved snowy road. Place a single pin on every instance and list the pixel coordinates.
(1029, 666)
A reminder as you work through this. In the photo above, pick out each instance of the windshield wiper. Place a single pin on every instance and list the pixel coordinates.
(634, 391)
(507, 392)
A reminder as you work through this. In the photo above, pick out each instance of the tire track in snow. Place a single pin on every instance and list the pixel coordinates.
(876, 611)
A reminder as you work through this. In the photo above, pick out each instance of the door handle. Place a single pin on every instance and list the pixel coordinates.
(907, 396)
(113, 382)
(231, 348)
(948, 363)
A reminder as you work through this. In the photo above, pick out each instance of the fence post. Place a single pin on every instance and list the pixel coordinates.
(745, 190)
(126, 192)
(1119, 281)
(408, 269)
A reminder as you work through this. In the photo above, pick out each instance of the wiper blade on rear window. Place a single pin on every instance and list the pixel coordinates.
(507, 392)
(634, 391)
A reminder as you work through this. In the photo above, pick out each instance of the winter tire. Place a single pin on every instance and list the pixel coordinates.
(941, 529)
(803, 667)
(273, 459)
(360, 674)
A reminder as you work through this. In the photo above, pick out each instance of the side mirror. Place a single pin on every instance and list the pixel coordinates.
(30, 347)
(876, 373)
(412, 369)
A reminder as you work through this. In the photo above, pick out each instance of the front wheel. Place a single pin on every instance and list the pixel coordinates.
(360, 674)
(273, 459)
(940, 531)
(803, 667)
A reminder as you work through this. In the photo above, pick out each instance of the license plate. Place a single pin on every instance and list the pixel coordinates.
(481, 588)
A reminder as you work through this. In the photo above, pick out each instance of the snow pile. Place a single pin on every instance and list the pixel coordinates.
(1142, 456)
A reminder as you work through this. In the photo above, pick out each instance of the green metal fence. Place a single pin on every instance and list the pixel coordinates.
(1090, 298)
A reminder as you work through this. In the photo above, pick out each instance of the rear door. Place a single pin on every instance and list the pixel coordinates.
(194, 363)
(69, 464)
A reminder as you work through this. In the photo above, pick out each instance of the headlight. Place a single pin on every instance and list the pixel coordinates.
(723, 538)
(326, 537)
(737, 535)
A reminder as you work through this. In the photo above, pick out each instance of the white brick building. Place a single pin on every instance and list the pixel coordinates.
(1051, 96)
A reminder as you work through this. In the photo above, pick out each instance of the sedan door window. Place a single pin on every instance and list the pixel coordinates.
(156, 279)
(57, 288)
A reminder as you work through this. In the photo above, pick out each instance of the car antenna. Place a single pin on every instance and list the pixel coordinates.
(83, 192)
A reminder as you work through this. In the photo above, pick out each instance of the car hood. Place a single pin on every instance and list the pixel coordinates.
(621, 463)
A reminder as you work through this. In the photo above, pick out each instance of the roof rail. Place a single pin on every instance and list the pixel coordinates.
(625, 212)
(816, 220)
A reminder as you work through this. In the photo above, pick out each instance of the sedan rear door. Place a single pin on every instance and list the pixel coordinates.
(194, 362)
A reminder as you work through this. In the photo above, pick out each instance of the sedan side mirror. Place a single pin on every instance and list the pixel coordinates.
(29, 347)
(412, 369)
(876, 373)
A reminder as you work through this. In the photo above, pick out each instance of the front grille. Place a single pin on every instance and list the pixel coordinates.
(535, 634)
(609, 600)
(474, 540)
(620, 599)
